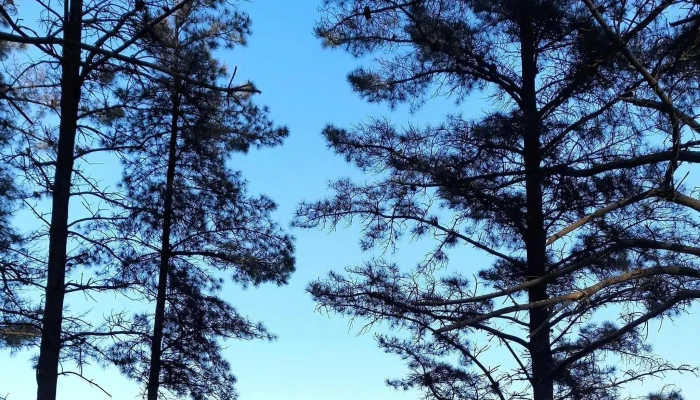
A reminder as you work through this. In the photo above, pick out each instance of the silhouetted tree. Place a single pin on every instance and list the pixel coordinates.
(18, 321)
(83, 49)
(190, 218)
(566, 183)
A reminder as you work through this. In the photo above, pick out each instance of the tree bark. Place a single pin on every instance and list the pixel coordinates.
(536, 238)
(47, 367)
(159, 319)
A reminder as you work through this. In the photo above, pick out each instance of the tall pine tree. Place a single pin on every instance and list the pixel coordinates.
(190, 218)
(81, 50)
(19, 325)
(566, 183)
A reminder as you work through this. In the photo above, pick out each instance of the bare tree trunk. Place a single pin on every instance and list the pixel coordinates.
(159, 319)
(535, 241)
(47, 370)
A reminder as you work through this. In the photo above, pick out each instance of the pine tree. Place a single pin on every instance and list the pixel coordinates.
(85, 51)
(18, 321)
(190, 214)
(566, 183)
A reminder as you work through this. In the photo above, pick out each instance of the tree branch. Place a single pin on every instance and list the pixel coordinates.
(578, 295)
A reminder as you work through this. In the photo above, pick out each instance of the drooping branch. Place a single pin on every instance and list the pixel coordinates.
(602, 212)
(579, 295)
(653, 83)
(544, 279)
(628, 327)
(656, 105)
(653, 244)
(245, 88)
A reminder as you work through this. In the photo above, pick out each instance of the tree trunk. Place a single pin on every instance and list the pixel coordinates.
(159, 319)
(535, 241)
(47, 368)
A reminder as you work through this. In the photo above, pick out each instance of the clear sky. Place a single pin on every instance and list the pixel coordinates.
(316, 357)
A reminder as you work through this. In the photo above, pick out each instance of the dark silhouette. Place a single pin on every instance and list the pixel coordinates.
(188, 213)
(573, 183)
(90, 52)
(19, 320)
(565, 183)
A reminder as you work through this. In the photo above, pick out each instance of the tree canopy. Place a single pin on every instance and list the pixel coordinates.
(133, 81)
(569, 183)
(573, 184)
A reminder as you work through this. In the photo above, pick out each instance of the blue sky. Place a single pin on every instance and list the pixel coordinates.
(316, 357)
